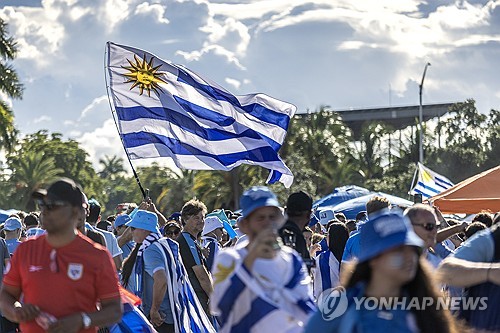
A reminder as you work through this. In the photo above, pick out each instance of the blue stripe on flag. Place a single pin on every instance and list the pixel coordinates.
(258, 111)
(188, 124)
(232, 293)
(324, 270)
(275, 176)
(262, 154)
(443, 182)
(423, 193)
(258, 310)
(432, 189)
(297, 276)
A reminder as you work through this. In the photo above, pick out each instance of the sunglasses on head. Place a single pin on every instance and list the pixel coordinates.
(172, 232)
(428, 226)
(50, 205)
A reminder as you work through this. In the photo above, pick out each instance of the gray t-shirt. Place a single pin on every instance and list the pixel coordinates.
(4, 254)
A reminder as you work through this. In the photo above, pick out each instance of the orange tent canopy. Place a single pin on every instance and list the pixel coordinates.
(479, 192)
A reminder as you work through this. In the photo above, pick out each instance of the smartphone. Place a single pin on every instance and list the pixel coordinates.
(417, 198)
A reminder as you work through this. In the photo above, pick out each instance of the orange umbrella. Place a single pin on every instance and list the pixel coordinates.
(479, 192)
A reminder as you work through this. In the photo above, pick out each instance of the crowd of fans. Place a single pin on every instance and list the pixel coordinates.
(270, 267)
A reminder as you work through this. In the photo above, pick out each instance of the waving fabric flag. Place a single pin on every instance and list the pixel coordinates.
(430, 183)
(166, 110)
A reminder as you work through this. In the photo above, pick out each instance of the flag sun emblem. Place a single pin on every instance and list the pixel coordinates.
(144, 75)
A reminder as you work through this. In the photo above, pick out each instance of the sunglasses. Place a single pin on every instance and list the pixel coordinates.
(50, 205)
(428, 226)
(172, 232)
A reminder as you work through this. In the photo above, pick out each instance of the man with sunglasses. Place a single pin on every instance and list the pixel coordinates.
(426, 221)
(124, 234)
(61, 275)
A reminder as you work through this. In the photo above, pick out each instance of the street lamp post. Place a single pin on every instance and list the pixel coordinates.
(420, 118)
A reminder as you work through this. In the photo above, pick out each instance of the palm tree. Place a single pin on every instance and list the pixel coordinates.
(322, 139)
(111, 167)
(10, 85)
(177, 191)
(33, 171)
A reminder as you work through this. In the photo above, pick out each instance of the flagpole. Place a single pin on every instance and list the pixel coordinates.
(113, 113)
(413, 180)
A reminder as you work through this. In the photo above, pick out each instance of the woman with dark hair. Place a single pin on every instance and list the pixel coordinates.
(327, 272)
(390, 289)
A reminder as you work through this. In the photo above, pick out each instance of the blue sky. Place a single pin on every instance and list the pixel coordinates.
(341, 53)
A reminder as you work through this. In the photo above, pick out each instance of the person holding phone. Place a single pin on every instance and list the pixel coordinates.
(266, 282)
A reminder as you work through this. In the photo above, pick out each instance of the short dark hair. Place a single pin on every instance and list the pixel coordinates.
(485, 217)
(377, 203)
(298, 203)
(340, 216)
(31, 220)
(94, 211)
(473, 228)
(192, 207)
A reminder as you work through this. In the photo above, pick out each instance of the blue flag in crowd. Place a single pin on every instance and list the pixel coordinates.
(166, 110)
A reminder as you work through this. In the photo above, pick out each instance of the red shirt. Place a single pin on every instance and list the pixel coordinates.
(76, 277)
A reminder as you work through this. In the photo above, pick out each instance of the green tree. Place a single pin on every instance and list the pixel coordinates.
(465, 147)
(10, 85)
(33, 172)
(493, 140)
(67, 156)
(112, 167)
(321, 142)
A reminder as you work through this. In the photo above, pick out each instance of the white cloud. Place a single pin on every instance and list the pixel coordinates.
(105, 141)
(212, 49)
(235, 83)
(42, 119)
(102, 141)
(98, 103)
(308, 52)
(155, 10)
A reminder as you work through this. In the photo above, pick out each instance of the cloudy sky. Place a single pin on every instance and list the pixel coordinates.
(341, 53)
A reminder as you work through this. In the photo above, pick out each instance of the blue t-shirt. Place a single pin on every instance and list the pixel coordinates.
(154, 261)
(479, 248)
(12, 245)
(363, 320)
(352, 247)
(127, 248)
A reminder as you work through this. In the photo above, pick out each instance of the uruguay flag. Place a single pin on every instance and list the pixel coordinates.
(430, 183)
(166, 110)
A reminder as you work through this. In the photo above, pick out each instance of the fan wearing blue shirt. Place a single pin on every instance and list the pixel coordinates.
(389, 266)
(12, 227)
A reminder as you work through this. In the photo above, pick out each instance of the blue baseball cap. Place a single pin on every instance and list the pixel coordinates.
(12, 223)
(121, 220)
(144, 220)
(257, 197)
(385, 230)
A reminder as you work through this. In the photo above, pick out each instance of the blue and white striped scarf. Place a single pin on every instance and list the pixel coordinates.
(139, 263)
(187, 311)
